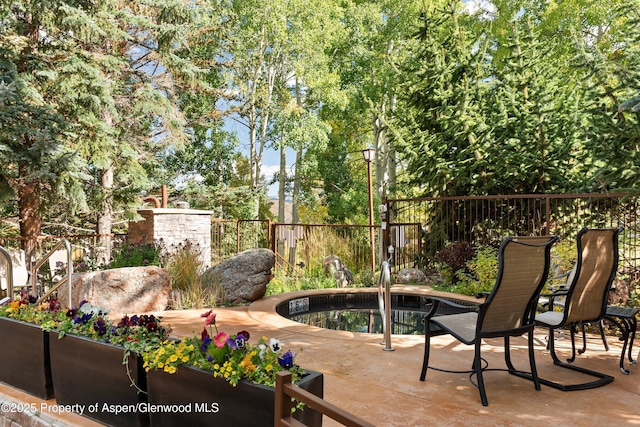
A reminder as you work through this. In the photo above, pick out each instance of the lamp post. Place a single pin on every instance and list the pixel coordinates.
(369, 155)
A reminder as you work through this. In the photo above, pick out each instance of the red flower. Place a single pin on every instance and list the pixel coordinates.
(210, 320)
(204, 334)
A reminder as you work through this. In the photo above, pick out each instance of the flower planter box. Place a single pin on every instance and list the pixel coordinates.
(91, 373)
(193, 397)
(24, 357)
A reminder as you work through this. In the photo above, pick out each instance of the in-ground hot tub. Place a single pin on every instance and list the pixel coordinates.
(359, 311)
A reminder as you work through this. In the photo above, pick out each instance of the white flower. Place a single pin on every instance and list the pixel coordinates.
(91, 309)
(263, 350)
(275, 345)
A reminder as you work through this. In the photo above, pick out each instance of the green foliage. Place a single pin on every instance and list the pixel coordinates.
(563, 258)
(137, 254)
(82, 118)
(366, 278)
(533, 113)
(480, 273)
(282, 282)
(442, 131)
(26, 310)
(613, 66)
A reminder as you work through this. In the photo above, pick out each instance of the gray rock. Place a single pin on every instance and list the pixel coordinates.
(244, 277)
(411, 276)
(334, 267)
(129, 290)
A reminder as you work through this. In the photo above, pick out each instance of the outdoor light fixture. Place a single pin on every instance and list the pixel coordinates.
(369, 154)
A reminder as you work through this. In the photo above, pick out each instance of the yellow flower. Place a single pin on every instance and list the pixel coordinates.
(185, 359)
(173, 358)
(247, 365)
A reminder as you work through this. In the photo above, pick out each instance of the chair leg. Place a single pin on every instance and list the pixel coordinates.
(477, 367)
(634, 328)
(601, 379)
(533, 376)
(532, 362)
(574, 330)
(627, 328)
(584, 341)
(603, 336)
(427, 344)
(507, 355)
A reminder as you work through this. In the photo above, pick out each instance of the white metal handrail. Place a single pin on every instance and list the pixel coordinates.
(384, 303)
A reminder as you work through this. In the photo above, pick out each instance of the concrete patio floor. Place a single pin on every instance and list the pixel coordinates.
(383, 387)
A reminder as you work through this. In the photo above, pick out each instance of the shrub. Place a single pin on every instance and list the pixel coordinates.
(186, 268)
(185, 265)
(479, 274)
(137, 254)
(454, 256)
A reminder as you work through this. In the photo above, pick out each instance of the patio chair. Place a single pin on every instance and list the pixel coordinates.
(550, 301)
(508, 311)
(585, 299)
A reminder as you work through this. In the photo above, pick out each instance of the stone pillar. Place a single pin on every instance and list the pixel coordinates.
(174, 226)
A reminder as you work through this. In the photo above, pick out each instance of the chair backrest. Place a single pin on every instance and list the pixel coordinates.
(523, 268)
(595, 270)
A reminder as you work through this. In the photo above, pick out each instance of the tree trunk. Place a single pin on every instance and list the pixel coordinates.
(105, 216)
(30, 219)
(295, 201)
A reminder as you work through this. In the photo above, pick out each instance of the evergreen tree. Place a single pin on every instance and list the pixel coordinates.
(110, 69)
(536, 126)
(442, 124)
(613, 67)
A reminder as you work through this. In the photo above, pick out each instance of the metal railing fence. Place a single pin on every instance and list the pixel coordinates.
(307, 245)
(419, 228)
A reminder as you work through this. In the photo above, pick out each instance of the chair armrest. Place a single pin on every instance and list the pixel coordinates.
(546, 301)
(558, 293)
(439, 300)
(559, 288)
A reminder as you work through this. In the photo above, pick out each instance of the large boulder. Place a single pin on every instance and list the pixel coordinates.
(411, 276)
(244, 277)
(129, 290)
